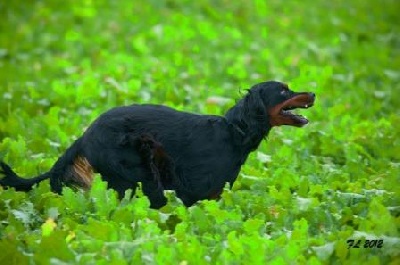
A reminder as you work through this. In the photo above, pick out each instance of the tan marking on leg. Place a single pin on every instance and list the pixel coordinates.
(84, 172)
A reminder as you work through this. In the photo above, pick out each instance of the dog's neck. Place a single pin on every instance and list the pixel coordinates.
(251, 126)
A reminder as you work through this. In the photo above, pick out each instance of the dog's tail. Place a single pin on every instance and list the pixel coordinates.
(12, 180)
(67, 169)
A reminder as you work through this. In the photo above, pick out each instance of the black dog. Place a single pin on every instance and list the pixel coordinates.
(165, 149)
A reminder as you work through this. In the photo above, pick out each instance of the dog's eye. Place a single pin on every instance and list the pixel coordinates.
(284, 92)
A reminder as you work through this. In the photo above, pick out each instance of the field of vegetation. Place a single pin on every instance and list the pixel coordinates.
(327, 193)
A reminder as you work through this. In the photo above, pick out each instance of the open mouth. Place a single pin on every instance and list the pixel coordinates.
(286, 111)
(282, 113)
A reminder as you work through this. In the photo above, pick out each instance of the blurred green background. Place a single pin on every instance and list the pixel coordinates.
(299, 198)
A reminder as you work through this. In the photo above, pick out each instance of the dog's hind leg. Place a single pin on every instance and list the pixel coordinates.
(127, 178)
(119, 184)
(125, 169)
(121, 177)
(132, 162)
(151, 183)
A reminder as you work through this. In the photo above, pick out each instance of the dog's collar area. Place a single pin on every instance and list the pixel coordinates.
(281, 114)
(238, 129)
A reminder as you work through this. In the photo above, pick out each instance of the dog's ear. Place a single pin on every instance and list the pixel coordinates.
(255, 103)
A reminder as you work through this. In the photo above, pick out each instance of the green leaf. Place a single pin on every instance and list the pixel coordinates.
(48, 227)
(235, 245)
(10, 253)
(104, 200)
(104, 231)
(53, 247)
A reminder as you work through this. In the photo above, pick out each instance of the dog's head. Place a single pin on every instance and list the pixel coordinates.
(278, 101)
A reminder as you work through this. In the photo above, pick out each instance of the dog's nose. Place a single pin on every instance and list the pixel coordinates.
(312, 95)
